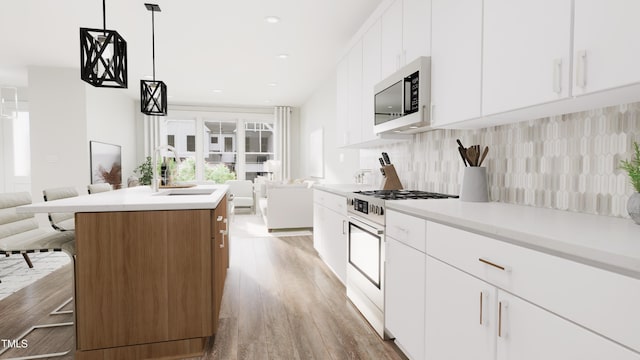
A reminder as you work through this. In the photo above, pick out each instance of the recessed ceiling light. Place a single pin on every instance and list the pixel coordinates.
(217, 90)
(389, 107)
(267, 101)
(272, 19)
(272, 84)
(413, 127)
(283, 56)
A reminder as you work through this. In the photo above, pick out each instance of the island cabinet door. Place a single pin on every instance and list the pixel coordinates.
(142, 277)
(220, 257)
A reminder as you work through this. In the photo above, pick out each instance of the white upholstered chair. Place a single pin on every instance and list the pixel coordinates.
(20, 233)
(61, 221)
(243, 195)
(98, 188)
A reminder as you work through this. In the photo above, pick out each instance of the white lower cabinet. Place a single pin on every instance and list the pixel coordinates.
(330, 226)
(404, 297)
(459, 316)
(528, 332)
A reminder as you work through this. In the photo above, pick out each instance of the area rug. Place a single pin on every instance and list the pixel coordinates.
(15, 274)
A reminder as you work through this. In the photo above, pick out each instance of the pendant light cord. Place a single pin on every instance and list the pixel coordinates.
(104, 16)
(153, 43)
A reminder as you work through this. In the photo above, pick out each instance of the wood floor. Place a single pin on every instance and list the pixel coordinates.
(280, 302)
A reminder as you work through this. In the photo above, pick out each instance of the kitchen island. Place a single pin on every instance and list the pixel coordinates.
(149, 270)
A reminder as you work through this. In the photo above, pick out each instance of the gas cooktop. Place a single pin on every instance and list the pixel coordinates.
(404, 194)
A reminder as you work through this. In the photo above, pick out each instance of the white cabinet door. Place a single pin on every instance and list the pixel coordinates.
(355, 94)
(606, 46)
(528, 332)
(460, 315)
(370, 77)
(416, 29)
(335, 243)
(456, 60)
(404, 297)
(342, 102)
(319, 231)
(391, 39)
(526, 53)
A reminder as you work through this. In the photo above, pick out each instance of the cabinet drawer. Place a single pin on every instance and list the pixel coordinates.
(407, 229)
(334, 202)
(600, 300)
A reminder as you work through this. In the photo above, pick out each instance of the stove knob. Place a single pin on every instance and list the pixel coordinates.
(377, 210)
(381, 210)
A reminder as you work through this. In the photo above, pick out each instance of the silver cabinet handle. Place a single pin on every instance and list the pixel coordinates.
(223, 233)
(343, 230)
(219, 218)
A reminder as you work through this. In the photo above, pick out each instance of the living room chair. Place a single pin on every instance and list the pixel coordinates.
(61, 221)
(21, 234)
(243, 194)
(98, 188)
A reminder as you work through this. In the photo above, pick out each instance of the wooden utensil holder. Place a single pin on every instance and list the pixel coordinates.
(391, 180)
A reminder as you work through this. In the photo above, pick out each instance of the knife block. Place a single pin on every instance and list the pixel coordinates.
(391, 180)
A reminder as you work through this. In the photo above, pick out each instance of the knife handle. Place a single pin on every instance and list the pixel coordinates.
(381, 161)
(385, 156)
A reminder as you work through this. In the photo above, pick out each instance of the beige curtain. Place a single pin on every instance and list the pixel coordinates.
(283, 140)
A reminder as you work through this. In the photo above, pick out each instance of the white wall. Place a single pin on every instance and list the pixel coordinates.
(319, 111)
(59, 146)
(110, 116)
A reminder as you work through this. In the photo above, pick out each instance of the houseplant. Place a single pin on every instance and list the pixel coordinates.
(632, 167)
(146, 172)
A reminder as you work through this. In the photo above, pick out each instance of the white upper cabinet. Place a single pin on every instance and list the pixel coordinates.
(355, 94)
(606, 47)
(526, 58)
(416, 29)
(391, 39)
(370, 77)
(342, 102)
(456, 60)
(406, 34)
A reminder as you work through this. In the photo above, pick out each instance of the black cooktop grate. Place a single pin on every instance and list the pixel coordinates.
(404, 194)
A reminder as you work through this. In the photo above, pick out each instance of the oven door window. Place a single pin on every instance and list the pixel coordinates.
(364, 253)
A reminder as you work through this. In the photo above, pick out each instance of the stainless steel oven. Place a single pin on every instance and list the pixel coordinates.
(365, 265)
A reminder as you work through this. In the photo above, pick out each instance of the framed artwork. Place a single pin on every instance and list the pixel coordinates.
(106, 163)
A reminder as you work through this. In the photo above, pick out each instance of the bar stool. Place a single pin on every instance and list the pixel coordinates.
(61, 221)
(98, 188)
(20, 234)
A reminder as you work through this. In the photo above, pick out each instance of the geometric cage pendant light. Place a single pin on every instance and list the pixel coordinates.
(103, 56)
(153, 94)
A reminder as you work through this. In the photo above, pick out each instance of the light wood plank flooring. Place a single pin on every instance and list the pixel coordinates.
(280, 302)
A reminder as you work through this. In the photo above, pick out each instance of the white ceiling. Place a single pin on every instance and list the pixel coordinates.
(200, 45)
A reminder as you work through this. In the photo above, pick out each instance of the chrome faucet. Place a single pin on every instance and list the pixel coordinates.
(154, 162)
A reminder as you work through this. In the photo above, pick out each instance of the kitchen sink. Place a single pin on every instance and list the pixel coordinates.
(188, 191)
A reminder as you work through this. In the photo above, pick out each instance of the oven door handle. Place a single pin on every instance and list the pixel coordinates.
(366, 226)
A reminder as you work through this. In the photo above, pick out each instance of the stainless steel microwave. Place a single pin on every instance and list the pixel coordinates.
(401, 99)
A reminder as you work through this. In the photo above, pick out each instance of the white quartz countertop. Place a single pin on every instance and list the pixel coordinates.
(139, 198)
(605, 242)
(343, 189)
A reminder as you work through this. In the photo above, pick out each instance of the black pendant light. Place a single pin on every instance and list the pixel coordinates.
(153, 94)
(103, 56)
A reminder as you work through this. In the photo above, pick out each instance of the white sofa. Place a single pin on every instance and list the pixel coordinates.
(286, 206)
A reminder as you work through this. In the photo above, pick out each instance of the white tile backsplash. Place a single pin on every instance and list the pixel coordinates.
(568, 162)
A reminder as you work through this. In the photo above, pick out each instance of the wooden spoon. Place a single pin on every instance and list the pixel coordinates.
(484, 154)
(471, 156)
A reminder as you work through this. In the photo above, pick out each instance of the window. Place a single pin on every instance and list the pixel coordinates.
(191, 143)
(220, 156)
(171, 140)
(259, 148)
